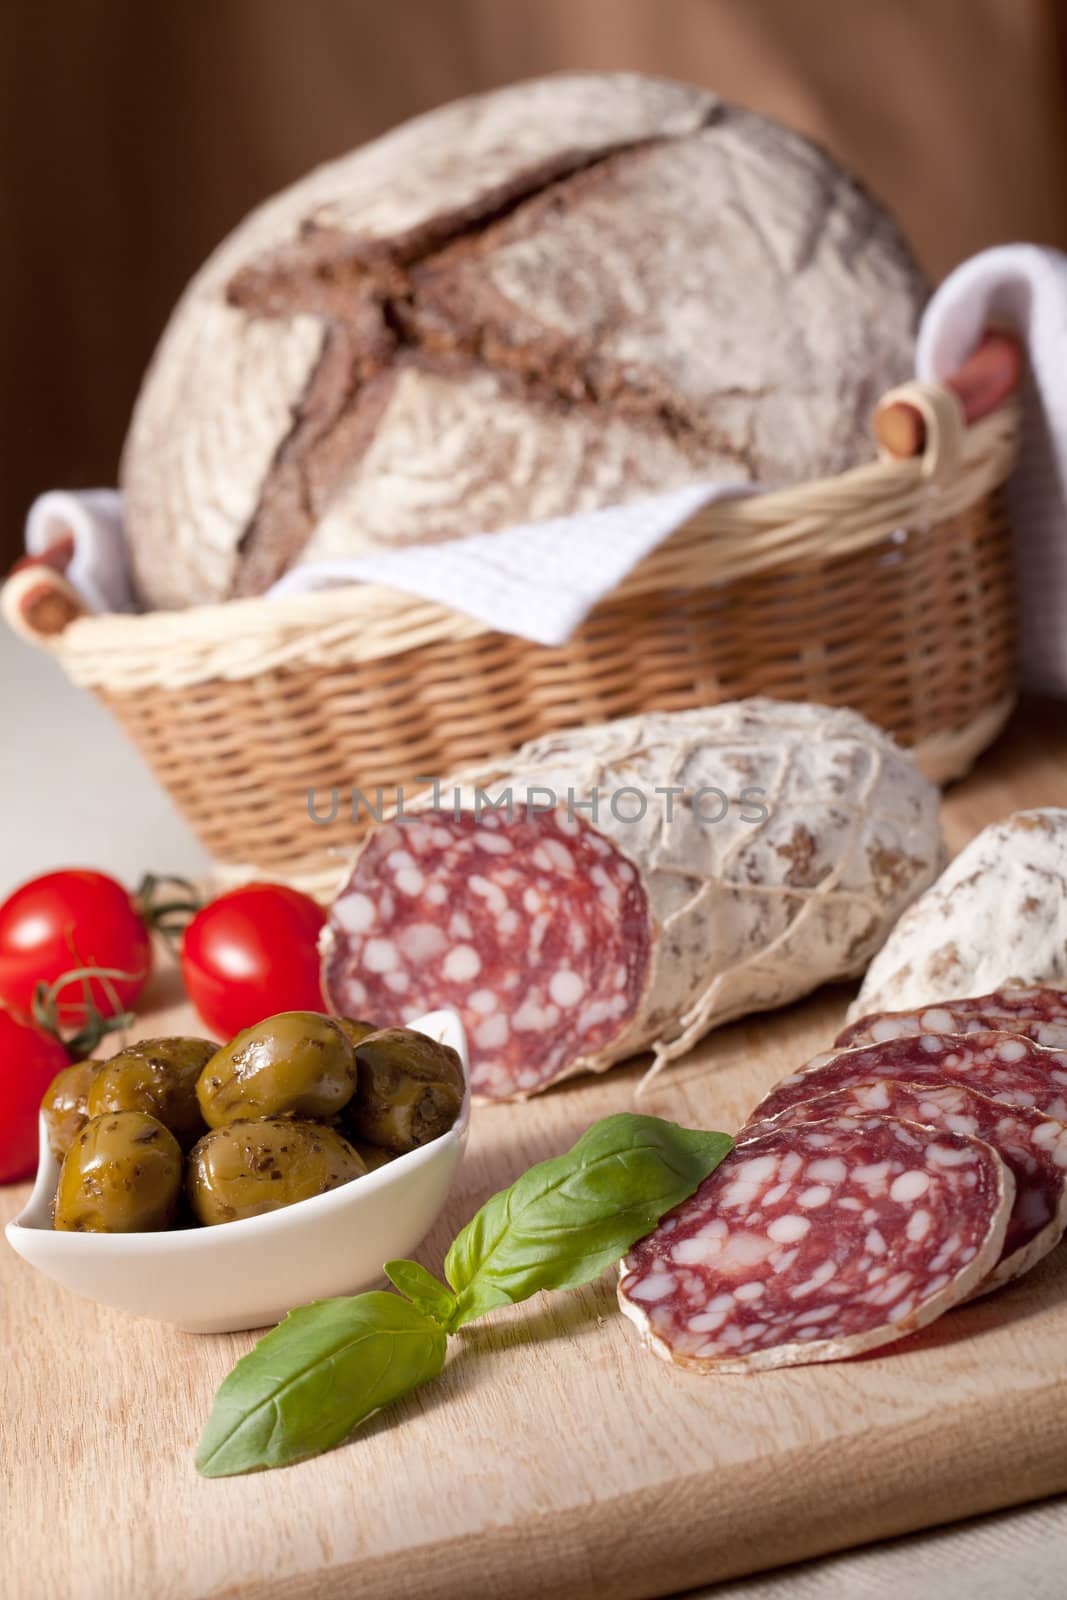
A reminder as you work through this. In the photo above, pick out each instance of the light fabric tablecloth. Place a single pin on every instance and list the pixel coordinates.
(1012, 1555)
(76, 793)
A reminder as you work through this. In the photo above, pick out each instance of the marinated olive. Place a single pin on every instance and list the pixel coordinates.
(296, 1064)
(246, 1168)
(122, 1174)
(372, 1155)
(410, 1090)
(354, 1029)
(64, 1107)
(158, 1076)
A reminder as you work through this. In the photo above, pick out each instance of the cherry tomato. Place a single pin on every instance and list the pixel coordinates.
(29, 1060)
(70, 919)
(253, 952)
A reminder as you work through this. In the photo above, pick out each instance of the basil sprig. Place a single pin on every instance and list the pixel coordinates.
(327, 1366)
(565, 1220)
(423, 1290)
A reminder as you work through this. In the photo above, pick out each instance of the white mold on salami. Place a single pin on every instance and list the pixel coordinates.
(1033, 1147)
(997, 916)
(777, 845)
(740, 1277)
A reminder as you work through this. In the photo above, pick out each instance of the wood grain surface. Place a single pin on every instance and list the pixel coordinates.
(554, 1455)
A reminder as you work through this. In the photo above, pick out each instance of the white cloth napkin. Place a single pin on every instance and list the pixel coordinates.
(93, 519)
(1024, 287)
(540, 580)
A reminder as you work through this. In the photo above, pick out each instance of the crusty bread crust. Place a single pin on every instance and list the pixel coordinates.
(558, 296)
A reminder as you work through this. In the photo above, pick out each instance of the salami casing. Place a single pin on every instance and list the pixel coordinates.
(996, 916)
(1004, 1066)
(634, 884)
(818, 1242)
(1032, 1146)
(1037, 1012)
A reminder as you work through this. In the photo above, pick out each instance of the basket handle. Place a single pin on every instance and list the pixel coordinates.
(36, 599)
(926, 419)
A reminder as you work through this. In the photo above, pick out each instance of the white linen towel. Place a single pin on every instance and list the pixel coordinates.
(1025, 288)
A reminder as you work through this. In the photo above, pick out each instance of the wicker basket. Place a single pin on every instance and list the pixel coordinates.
(888, 589)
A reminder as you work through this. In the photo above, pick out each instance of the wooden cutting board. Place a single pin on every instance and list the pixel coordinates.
(553, 1456)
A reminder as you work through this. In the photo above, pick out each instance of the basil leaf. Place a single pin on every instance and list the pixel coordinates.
(325, 1368)
(564, 1221)
(422, 1289)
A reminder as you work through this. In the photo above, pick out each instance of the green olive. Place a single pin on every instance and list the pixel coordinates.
(354, 1029)
(64, 1106)
(246, 1168)
(122, 1174)
(297, 1064)
(410, 1090)
(372, 1155)
(158, 1076)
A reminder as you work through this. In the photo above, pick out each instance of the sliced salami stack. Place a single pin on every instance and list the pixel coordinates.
(1033, 1146)
(788, 1252)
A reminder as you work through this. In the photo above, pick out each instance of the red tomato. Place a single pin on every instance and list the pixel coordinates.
(74, 918)
(253, 952)
(29, 1060)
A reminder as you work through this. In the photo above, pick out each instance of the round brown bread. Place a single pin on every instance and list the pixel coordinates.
(558, 296)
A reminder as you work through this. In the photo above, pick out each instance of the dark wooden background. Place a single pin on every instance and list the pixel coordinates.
(136, 135)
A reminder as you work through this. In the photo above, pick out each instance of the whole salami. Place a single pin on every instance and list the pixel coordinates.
(634, 884)
(1032, 1146)
(996, 916)
(818, 1242)
(1038, 1013)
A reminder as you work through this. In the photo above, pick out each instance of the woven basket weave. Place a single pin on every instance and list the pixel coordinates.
(888, 588)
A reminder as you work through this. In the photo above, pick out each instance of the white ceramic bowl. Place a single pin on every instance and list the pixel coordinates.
(247, 1274)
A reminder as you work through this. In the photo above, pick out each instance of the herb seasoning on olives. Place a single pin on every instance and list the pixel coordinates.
(65, 1105)
(158, 1076)
(410, 1090)
(247, 1168)
(122, 1174)
(298, 1063)
(287, 1110)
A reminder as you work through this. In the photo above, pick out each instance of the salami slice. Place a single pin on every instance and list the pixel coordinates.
(1003, 1066)
(1032, 1146)
(818, 1242)
(634, 884)
(537, 931)
(1038, 1013)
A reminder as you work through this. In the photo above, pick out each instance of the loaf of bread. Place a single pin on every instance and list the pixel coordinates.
(558, 296)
